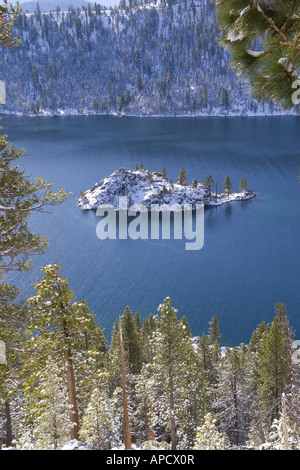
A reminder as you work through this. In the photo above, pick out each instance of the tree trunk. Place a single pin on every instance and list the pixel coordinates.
(127, 436)
(284, 424)
(172, 402)
(148, 417)
(8, 425)
(172, 419)
(261, 429)
(149, 430)
(74, 417)
(236, 413)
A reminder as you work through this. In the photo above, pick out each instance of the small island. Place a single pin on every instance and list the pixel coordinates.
(142, 186)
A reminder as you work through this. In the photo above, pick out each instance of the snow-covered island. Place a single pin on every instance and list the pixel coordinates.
(148, 188)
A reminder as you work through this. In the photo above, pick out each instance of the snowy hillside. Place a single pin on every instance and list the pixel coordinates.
(51, 5)
(154, 58)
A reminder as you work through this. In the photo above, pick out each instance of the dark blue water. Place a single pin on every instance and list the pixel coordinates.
(251, 253)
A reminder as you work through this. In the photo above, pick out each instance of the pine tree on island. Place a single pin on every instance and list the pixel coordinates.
(208, 183)
(243, 184)
(149, 175)
(182, 178)
(227, 186)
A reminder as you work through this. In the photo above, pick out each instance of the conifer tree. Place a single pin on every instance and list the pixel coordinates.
(126, 423)
(52, 425)
(138, 82)
(133, 352)
(182, 178)
(224, 99)
(89, 359)
(227, 186)
(56, 326)
(205, 357)
(138, 321)
(243, 184)
(258, 426)
(193, 394)
(12, 324)
(115, 358)
(208, 183)
(97, 427)
(231, 401)
(274, 373)
(194, 183)
(214, 330)
(281, 312)
(186, 326)
(144, 408)
(149, 175)
(8, 16)
(164, 375)
(132, 341)
(263, 39)
(208, 437)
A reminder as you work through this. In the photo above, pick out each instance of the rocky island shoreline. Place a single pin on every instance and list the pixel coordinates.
(149, 188)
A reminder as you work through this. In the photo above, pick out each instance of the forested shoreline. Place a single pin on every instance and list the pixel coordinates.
(143, 58)
(64, 382)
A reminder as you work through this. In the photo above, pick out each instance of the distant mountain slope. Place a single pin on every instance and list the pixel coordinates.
(157, 58)
(51, 5)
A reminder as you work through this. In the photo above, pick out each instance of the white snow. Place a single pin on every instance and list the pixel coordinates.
(255, 53)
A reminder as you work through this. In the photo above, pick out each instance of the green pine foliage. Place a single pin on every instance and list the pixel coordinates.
(227, 186)
(263, 40)
(8, 14)
(19, 197)
(208, 437)
(51, 424)
(274, 374)
(63, 328)
(208, 183)
(98, 428)
(243, 184)
(132, 341)
(231, 397)
(182, 178)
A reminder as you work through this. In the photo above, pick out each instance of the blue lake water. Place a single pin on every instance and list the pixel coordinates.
(251, 253)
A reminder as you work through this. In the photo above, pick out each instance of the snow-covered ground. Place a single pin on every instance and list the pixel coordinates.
(149, 188)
